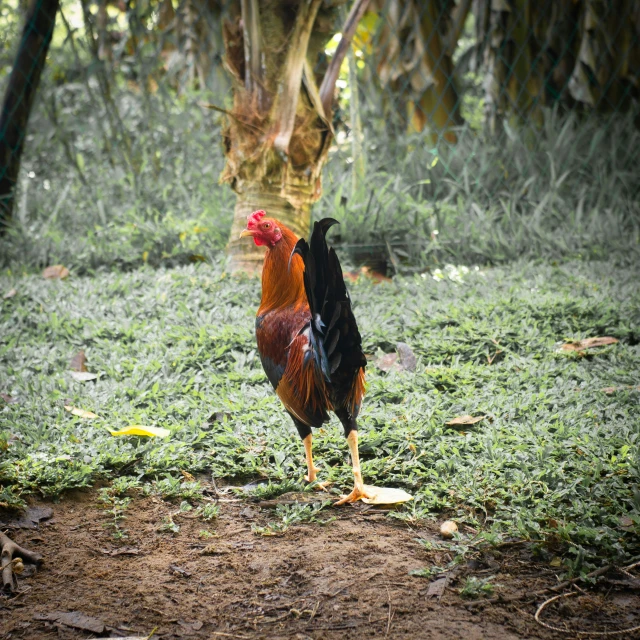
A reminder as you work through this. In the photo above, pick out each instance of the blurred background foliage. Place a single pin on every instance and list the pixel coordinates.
(468, 131)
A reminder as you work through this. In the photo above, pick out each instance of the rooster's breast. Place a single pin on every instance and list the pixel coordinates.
(274, 332)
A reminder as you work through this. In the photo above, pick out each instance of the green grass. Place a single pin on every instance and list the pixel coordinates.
(556, 459)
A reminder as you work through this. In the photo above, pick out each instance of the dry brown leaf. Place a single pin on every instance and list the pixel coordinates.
(387, 362)
(8, 399)
(464, 420)
(588, 343)
(407, 357)
(73, 619)
(78, 362)
(10, 294)
(609, 390)
(403, 360)
(56, 272)
(376, 276)
(437, 587)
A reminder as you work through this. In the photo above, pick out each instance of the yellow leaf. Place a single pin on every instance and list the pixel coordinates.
(385, 495)
(81, 413)
(183, 236)
(461, 420)
(145, 256)
(140, 430)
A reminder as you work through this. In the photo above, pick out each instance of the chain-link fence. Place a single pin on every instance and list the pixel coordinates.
(450, 119)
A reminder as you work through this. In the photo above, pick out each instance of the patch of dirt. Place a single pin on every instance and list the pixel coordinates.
(345, 579)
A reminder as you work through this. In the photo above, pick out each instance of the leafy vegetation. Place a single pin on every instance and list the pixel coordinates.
(555, 460)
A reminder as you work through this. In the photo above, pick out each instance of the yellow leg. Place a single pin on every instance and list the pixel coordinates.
(311, 468)
(358, 488)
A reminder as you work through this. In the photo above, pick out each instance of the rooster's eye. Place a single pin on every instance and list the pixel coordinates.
(266, 225)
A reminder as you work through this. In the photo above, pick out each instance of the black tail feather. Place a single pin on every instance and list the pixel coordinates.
(333, 325)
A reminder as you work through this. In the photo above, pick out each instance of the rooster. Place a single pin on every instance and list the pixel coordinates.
(308, 339)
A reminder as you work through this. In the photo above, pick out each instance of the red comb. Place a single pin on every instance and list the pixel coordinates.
(255, 217)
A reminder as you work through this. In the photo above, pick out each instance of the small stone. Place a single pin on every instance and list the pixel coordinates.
(448, 528)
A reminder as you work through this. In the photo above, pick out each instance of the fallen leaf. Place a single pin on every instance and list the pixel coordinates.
(78, 362)
(407, 357)
(376, 276)
(56, 272)
(465, 420)
(10, 294)
(213, 550)
(196, 625)
(8, 399)
(387, 361)
(83, 376)
(29, 519)
(626, 523)
(588, 343)
(124, 551)
(437, 587)
(385, 495)
(73, 619)
(180, 571)
(609, 390)
(556, 562)
(140, 430)
(367, 272)
(81, 413)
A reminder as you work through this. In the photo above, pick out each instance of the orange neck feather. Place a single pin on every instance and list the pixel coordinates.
(281, 286)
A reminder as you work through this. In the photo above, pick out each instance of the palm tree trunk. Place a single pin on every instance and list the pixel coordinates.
(19, 97)
(278, 133)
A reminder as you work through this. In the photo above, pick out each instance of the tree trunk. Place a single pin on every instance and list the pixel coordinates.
(19, 97)
(278, 133)
(245, 256)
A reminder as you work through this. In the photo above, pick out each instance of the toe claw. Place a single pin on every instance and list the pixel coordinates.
(354, 496)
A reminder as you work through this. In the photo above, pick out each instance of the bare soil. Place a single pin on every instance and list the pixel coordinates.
(345, 579)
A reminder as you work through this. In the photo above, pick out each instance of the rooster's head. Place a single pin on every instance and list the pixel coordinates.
(263, 230)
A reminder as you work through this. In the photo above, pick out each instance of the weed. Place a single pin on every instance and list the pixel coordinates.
(291, 515)
(209, 512)
(427, 572)
(115, 507)
(171, 488)
(476, 587)
(168, 526)
(270, 490)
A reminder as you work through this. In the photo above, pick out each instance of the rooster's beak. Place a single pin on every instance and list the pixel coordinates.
(246, 232)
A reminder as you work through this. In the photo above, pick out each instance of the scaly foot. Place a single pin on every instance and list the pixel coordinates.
(357, 494)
